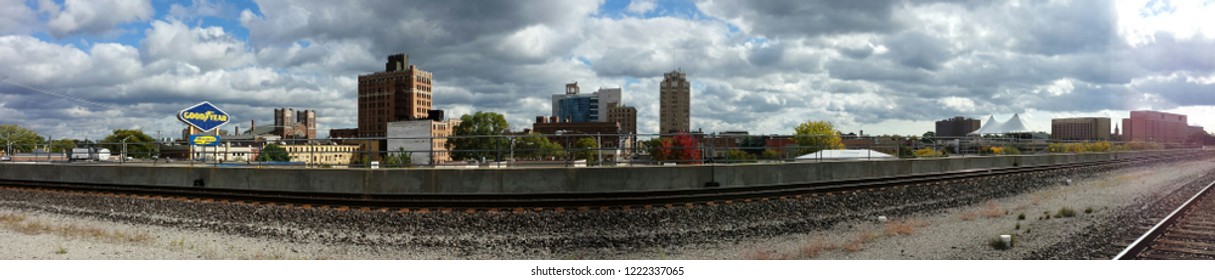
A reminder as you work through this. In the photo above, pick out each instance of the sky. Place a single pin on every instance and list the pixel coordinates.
(80, 69)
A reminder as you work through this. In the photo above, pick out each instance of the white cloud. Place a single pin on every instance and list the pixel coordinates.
(94, 16)
(641, 6)
(16, 17)
(1139, 21)
(205, 47)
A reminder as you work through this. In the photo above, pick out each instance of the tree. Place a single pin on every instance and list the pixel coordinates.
(400, 158)
(682, 148)
(20, 139)
(928, 137)
(139, 145)
(273, 152)
(586, 148)
(479, 136)
(534, 146)
(739, 156)
(814, 136)
(63, 145)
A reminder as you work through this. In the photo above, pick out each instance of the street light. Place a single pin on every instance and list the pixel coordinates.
(124, 148)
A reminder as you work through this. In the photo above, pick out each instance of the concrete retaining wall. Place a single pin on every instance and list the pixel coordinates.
(525, 180)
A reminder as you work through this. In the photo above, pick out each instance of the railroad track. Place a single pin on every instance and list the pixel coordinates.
(470, 202)
(1187, 233)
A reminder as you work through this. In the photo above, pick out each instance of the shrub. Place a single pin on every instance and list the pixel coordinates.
(1065, 213)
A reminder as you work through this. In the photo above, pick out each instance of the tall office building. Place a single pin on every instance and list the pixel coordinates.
(402, 92)
(1080, 129)
(675, 103)
(956, 127)
(626, 116)
(575, 107)
(1153, 126)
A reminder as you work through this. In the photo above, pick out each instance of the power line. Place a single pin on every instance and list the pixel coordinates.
(47, 92)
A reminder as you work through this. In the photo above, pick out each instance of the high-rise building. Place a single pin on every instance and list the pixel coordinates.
(402, 92)
(575, 107)
(675, 103)
(1080, 129)
(291, 124)
(626, 116)
(1153, 126)
(956, 127)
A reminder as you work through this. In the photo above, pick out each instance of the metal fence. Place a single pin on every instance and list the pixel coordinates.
(535, 150)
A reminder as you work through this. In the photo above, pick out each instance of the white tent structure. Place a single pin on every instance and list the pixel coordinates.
(1013, 125)
(860, 154)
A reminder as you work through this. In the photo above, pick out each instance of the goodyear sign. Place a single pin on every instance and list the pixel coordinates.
(204, 140)
(203, 116)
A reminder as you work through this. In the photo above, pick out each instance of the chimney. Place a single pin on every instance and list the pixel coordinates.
(552, 119)
(253, 131)
(540, 119)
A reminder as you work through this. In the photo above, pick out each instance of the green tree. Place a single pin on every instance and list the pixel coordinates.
(534, 146)
(273, 152)
(400, 158)
(739, 156)
(586, 148)
(20, 139)
(928, 137)
(63, 145)
(814, 136)
(139, 145)
(479, 136)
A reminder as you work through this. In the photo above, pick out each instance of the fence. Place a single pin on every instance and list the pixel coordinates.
(536, 150)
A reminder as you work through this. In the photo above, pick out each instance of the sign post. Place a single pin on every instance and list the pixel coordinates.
(205, 117)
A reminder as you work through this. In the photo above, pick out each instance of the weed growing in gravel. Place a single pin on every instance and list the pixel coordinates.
(903, 227)
(992, 210)
(1021, 216)
(61, 251)
(1065, 213)
(815, 247)
(20, 224)
(1018, 226)
(1088, 210)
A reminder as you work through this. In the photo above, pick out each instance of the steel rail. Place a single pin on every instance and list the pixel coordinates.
(1145, 241)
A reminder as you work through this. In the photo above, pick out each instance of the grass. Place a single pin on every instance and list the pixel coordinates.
(993, 210)
(815, 247)
(61, 251)
(20, 223)
(1065, 212)
(1088, 210)
(1021, 216)
(1018, 226)
(903, 227)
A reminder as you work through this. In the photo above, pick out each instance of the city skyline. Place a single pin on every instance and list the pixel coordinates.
(885, 68)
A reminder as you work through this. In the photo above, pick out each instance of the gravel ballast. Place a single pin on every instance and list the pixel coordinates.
(950, 220)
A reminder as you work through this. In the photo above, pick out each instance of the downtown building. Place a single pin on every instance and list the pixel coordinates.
(675, 103)
(401, 92)
(956, 127)
(1153, 126)
(1088, 129)
(603, 105)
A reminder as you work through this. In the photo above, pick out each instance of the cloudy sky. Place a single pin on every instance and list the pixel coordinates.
(79, 69)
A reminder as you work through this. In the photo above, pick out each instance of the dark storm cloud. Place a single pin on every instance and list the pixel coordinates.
(798, 18)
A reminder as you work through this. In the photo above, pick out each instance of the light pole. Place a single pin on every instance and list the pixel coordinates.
(124, 148)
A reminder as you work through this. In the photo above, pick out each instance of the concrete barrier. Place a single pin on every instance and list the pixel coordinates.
(526, 180)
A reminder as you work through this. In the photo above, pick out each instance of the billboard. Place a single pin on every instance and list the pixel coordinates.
(204, 140)
(203, 116)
